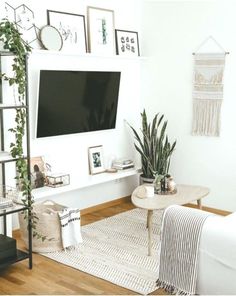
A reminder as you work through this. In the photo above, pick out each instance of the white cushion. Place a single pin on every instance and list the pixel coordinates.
(217, 256)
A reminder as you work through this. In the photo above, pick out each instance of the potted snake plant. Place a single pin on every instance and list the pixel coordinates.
(154, 147)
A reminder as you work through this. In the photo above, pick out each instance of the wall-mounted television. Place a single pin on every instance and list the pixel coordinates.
(72, 102)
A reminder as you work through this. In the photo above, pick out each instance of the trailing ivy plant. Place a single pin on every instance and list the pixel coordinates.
(12, 40)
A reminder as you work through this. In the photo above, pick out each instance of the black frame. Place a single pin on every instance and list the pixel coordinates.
(118, 52)
(73, 14)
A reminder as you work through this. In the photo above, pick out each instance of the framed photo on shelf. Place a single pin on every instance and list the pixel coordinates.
(127, 43)
(101, 30)
(72, 29)
(37, 172)
(96, 160)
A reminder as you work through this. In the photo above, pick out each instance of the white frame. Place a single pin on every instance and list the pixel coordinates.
(74, 38)
(127, 48)
(96, 151)
(100, 43)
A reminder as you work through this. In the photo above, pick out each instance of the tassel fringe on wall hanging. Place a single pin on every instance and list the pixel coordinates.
(208, 92)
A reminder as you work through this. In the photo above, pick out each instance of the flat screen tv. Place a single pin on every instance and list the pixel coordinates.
(76, 101)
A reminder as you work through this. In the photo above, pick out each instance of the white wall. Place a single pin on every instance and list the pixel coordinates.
(69, 153)
(171, 32)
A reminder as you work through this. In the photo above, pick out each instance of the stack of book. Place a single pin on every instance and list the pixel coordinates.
(122, 164)
(5, 203)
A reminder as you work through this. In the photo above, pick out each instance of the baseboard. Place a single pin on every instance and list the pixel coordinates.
(211, 210)
(105, 205)
(127, 199)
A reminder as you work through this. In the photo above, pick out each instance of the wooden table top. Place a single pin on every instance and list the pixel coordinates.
(184, 195)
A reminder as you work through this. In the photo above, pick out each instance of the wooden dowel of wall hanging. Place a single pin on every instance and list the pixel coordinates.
(227, 52)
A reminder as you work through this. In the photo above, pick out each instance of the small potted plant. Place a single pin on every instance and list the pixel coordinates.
(154, 148)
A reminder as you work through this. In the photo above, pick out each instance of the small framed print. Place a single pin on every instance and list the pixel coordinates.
(96, 160)
(37, 171)
(127, 43)
(72, 29)
(101, 31)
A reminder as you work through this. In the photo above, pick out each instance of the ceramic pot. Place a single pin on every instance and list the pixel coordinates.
(144, 180)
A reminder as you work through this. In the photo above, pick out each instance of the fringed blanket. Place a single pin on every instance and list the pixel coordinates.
(70, 227)
(181, 230)
(207, 93)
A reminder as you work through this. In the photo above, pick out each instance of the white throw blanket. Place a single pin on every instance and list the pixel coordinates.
(181, 230)
(70, 227)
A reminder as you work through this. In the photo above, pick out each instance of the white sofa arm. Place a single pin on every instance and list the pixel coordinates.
(217, 256)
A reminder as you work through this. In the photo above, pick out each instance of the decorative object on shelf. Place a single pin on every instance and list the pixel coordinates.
(96, 160)
(38, 172)
(154, 147)
(122, 164)
(5, 203)
(111, 170)
(23, 17)
(57, 180)
(127, 43)
(51, 38)
(101, 30)
(9, 12)
(208, 90)
(72, 29)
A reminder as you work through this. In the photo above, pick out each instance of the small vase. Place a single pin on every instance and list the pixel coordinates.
(171, 185)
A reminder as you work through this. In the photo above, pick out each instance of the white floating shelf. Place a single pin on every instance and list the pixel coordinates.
(79, 183)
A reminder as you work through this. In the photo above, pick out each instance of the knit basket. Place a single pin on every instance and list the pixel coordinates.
(48, 225)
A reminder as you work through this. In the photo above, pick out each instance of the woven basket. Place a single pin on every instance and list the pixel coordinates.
(48, 225)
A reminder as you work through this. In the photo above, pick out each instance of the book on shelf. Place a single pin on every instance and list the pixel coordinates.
(5, 203)
(123, 167)
(5, 155)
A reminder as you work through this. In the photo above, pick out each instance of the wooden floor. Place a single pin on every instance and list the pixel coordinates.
(49, 277)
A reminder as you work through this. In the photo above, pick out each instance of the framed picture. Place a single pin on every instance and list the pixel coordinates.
(127, 43)
(96, 161)
(101, 30)
(38, 172)
(72, 29)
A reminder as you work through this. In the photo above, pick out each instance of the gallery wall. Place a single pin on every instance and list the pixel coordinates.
(172, 31)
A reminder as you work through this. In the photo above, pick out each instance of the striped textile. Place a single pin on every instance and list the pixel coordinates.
(70, 227)
(181, 230)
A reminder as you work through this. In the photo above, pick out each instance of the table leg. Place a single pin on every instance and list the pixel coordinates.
(149, 223)
(199, 203)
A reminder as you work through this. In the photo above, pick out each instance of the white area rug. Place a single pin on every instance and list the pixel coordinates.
(115, 249)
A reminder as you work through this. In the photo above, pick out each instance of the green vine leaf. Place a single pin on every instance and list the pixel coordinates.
(13, 42)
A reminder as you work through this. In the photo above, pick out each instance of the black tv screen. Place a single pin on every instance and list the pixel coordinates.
(76, 101)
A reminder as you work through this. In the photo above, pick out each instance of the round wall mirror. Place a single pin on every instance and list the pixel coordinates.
(51, 38)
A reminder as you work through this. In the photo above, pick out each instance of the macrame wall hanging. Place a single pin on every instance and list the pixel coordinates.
(208, 90)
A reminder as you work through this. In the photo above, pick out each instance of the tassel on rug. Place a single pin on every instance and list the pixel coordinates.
(207, 93)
